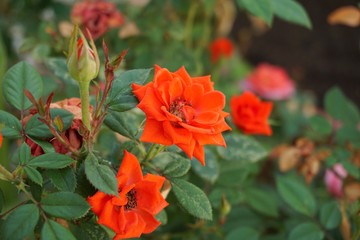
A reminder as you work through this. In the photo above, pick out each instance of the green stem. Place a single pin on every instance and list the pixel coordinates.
(85, 103)
(189, 23)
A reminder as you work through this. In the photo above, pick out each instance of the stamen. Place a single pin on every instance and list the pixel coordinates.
(131, 196)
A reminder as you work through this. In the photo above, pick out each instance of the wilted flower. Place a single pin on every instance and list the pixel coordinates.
(270, 82)
(221, 47)
(334, 180)
(182, 110)
(83, 61)
(72, 105)
(96, 16)
(132, 212)
(250, 114)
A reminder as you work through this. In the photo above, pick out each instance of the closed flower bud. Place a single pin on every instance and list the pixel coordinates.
(83, 60)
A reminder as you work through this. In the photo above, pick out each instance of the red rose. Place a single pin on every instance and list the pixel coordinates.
(250, 114)
(221, 47)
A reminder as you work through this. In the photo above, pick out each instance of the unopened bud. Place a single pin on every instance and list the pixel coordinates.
(83, 60)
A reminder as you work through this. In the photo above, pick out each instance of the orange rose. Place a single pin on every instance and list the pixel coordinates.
(182, 110)
(221, 47)
(97, 16)
(1, 140)
(250, 114)
(132, 212)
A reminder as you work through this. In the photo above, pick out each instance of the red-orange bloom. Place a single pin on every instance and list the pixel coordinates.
(97, 16)
(132, 212)
(250, 114)
(1, 140)
(182, 110)
(221, 47)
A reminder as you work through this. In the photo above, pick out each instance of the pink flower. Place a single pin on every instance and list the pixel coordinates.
(270, 82)
(334, 180)
(97, 16)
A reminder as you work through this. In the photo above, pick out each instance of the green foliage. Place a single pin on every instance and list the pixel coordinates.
(241, 148)
(18, 78)
(288, 10)
(291, 11)
(63, 179)
(34, 175)
(37, 129)
(120, 98)
(210, 172)
(330, 216)
(319, 124)
(243, 233)
(262, 201)
(259, 8)
(54, 231)
(65, 205)
(308, 231)
(296, 194)
(192, 199)
(100, 175)
(10, 126)
(51, 161)
(24, 153)
(171, 164)
(123, 123)
(89, 231)
(20, 223)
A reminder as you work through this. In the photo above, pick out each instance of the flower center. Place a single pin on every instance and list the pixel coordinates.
(176, 108)
(131, 197)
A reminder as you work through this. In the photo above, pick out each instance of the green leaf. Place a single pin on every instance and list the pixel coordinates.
(330, 216)
(171, 164)
(235, 174)
(241, 148)
(122, 122)
(291, 11)
(101, 176)
(2, 201)
(320, 124)
(20, 223)
(243, 233)
(262, 201)
(296, 194)
(63, 179)
(308, 231)
(259, 8)
(34, 175)
(10, 126)
(24, 153)
(51, 161)
(89, 231)
(351, 168)
(55, 231)
(209, 172)
(192, 199)
(65, 205)
(233, 195)
(47, 147)
(341, 108)
(120, 97)
(162, 217)
(18, 78)
(37, 129)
